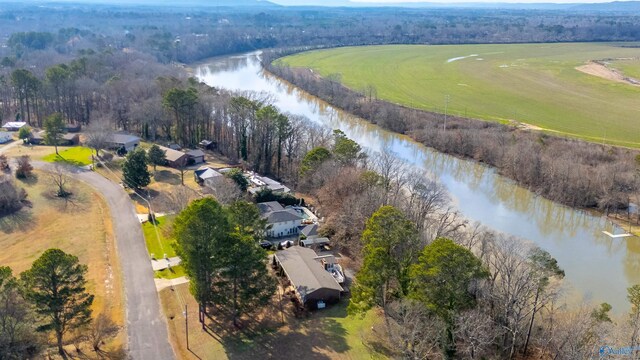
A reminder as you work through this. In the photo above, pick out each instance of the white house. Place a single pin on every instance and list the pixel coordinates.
(281, 222)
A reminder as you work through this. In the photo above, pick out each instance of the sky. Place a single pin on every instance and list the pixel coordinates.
(487, 1)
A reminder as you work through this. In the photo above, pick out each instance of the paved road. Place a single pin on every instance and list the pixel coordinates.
(146, 325)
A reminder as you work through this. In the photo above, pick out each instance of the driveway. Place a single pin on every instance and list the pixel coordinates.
(146, 326)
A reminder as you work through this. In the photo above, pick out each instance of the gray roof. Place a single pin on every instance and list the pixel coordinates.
(207, 173)
(282, 216)
(123, 138)
(310, 230)
(195, 153)
(172, 155)
(305, 273)
(270, 206)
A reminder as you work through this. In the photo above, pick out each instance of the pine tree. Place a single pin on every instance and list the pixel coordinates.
(156, 156)
(134, 171)
(53, 130)
(56, 286)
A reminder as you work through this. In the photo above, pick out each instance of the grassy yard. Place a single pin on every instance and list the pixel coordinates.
(159, 238)
(78, 156)
(536, 84)
(326, 334)
(81, 226)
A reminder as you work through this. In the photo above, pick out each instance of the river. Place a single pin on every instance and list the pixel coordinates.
(597, 267)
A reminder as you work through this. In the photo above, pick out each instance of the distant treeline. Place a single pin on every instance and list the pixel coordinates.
(189, 34)
(572, 172)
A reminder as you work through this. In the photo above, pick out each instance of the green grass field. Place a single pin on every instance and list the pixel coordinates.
(630, 68)
(536, 84)
(78, 156)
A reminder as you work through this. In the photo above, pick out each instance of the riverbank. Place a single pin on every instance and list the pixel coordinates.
(572, 172)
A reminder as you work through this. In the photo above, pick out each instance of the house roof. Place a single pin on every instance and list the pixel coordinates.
(40, 135)
(123, 138)
(270, 206)
(207, 173)
(195, 153)
(14, 124)
(305, 273)
(206, 142)
(282, 216)
(172, 155)
(310, 230)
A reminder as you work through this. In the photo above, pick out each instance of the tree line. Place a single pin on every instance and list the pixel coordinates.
(187, 34)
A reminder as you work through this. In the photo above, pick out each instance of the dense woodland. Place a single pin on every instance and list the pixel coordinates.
(113, 68)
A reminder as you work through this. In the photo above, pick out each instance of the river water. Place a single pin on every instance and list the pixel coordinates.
(598, 268)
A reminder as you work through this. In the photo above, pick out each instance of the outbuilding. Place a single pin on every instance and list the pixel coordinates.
(127, 142)
(195, 156)
(14, 125)
(313, 285)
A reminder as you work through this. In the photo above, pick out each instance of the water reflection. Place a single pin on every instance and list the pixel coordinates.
(595, 265)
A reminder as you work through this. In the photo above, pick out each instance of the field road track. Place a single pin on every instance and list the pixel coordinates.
(147, 333)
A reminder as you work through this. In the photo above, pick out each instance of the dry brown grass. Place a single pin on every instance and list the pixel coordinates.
(81, 226)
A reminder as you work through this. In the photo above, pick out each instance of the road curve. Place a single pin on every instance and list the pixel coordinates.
(146, 325)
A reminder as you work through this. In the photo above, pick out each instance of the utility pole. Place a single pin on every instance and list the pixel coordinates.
(446, 106)
(186, 324)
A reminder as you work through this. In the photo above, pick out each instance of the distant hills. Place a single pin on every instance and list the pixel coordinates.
(179, 3)
(615, 6)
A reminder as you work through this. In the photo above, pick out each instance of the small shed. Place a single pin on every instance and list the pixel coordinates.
(207, 145)
(14, 125)
(196, 156)
(207, 176)
(175, 159)
(312, 283)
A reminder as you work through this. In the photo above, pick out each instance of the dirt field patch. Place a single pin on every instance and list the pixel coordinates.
(604, 72)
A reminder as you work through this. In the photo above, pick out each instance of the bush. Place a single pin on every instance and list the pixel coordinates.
(11, 197)
(24, 169)
(266, 195)
(4, 163)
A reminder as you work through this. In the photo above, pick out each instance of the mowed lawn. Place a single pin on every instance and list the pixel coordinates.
(160, 241)
(537, 84)
(78, 156)
(81, 226)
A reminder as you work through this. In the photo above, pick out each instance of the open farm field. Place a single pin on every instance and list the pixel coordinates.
(535, 84)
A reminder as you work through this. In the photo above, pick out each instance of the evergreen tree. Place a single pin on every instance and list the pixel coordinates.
(156, 156)
(134, 171)
(442, 281)
(55, 285)
(24, 133)
(391, 246)
(238, 177)
(201, 232)
(313, 159)
(53, 130)
(244, 285)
